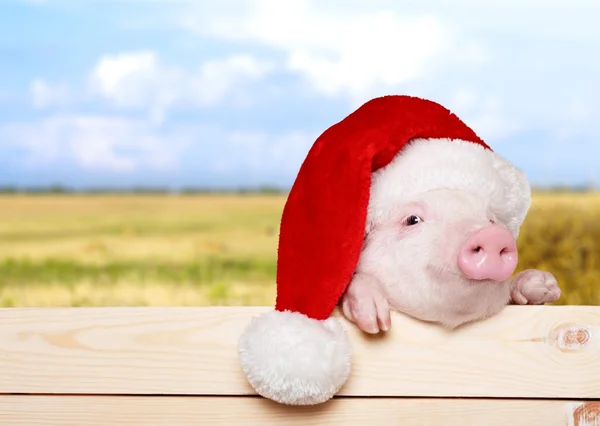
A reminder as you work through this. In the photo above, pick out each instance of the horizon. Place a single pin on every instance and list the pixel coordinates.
(54, 189)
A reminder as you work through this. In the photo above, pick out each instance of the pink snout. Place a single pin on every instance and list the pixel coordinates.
(490, 253)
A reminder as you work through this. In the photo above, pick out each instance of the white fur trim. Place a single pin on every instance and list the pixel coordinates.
(293, 359)
(427, 164)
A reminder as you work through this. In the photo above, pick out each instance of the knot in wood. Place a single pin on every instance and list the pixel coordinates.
(572, 337)
(579, 337)
(587, 414)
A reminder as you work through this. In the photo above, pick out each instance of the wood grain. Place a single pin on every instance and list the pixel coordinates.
(526, 351)
(196, 411)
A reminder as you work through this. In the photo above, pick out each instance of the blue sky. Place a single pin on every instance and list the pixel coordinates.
(229, 93)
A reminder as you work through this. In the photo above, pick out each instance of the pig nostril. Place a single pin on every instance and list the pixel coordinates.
(488, 254)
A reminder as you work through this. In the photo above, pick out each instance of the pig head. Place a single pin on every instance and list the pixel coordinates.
(445, 254)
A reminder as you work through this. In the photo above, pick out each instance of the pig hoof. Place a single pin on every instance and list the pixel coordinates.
(365, 304)
(534, 287)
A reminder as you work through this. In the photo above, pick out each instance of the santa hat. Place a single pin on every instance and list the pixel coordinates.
(354, 174)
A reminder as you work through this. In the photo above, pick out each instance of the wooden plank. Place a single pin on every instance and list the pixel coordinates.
(194, 411)
(526, 351)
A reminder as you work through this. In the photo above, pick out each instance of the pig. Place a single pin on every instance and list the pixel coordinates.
(398, 207)
(443, 257)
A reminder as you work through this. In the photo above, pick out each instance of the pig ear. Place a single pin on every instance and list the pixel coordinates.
(512, 207)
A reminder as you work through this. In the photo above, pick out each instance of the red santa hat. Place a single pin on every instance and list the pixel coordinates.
(386, 150)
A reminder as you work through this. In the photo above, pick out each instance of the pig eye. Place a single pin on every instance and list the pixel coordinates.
(413, 220)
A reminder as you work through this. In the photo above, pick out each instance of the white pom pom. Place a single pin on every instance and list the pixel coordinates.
(293, 359)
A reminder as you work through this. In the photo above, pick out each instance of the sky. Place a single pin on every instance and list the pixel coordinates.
(234, 93)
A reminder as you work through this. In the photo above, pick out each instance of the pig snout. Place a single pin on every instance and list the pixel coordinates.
(490, 253)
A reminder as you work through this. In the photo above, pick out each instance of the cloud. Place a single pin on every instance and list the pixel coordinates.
(136, 147)
(218, 78)
(351, 51)
(344, 51)
(519, 80)
(484, 114)
(264, 153)
(44, 95)
(141, 80)
(93, 143)
(137, 79)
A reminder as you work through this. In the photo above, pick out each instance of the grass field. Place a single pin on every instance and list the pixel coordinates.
(76, 250)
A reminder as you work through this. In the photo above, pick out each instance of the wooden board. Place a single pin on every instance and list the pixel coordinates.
(526, 351)
(250, 411)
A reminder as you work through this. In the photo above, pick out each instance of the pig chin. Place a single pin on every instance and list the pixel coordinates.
(464, 300)
(448, 298)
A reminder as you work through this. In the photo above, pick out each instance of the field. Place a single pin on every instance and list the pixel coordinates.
(132, 250)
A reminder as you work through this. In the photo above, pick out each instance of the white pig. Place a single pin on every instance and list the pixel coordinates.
(441, 256)
(431, 234)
